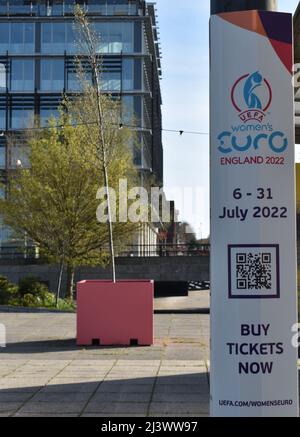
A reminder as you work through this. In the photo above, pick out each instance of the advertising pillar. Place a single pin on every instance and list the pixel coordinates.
(253, 218)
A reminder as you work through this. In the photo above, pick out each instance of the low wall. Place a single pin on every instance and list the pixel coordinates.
(160, 269)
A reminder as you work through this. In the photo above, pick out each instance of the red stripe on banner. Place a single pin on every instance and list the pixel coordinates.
(284, 52)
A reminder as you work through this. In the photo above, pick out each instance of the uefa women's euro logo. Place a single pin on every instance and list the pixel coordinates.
(251, 95)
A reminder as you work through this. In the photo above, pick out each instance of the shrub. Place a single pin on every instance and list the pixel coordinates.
(48, 299)
(31, 285)
(8, 291)
(30, 293)
(29, 300)
(66, 305)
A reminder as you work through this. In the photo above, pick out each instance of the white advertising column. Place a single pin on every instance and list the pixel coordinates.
(253, 218)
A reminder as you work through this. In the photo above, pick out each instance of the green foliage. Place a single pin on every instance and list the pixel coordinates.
(54, 201)
(65, 305)
(33, 293)
(30, 293)
(29, 300)
(31, 285)
(8, 291)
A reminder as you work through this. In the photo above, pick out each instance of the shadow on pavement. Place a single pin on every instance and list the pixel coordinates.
(63, 345)
(181, 394)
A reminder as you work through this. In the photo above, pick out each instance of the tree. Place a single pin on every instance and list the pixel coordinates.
(54, 200)
(90, 42)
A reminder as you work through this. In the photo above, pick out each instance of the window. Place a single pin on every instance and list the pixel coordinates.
(127, 75)
(115, 37)
(52, 74)
(101, 30)
(137, 150)
(127, 109)
(115, 40)
(22, 75)
(5, 232)
(97, 6)
(2, 118)
(22, 118)
(19, 154)
(2, 156)
(17, 37)
(2, 78)
(57, 7)
(3, 7)
(74, 83)
(4, 37)
(21, 38)
(69, 6)
(53, 37)
(2, 196)
(46, 114)
(19, 7)
(127, 33)
(117, 9)
(111, 81)
(59, 37)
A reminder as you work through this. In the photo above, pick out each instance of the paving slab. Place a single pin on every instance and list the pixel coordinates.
(44, 373)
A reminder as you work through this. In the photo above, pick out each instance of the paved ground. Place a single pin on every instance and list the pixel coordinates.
(196, 301)
(52, 336)
(43, 372)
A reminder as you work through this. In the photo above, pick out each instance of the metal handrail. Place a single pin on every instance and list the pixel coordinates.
(134, 250)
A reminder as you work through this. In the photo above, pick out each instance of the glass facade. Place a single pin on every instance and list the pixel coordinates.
(55, 8)
(52, 75)
(38, 45)
(17, 37)
(2, 119)
(2, 156)
(22, 75)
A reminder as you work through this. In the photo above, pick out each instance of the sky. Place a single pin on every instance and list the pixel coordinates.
(183, 27)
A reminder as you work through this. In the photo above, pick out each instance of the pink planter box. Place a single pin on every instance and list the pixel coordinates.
(115, 314)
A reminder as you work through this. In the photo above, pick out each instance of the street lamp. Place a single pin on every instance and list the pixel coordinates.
(218, 6)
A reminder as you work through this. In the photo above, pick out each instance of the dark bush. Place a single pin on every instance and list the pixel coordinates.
(32, 285)
(8, 291)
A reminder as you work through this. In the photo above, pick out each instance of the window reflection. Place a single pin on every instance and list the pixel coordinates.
(111, 81)
(46, 114)
(22, 75)
(52, 74)
(22, 118)
(58, 38)
(2, 156)
(66, 7)
(17, 37)
(2, 77)
(114, 37)
(2, 118)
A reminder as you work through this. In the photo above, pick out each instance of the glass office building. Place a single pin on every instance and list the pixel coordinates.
(37, 50)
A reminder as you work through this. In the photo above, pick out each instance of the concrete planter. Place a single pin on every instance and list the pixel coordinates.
(115, 314)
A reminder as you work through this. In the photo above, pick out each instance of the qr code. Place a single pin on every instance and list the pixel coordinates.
(253, 271)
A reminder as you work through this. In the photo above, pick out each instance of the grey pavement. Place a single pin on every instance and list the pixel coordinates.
(197, 301)
(44, 373)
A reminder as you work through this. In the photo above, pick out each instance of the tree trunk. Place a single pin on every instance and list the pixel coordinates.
(61, 268)
(70, 282)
